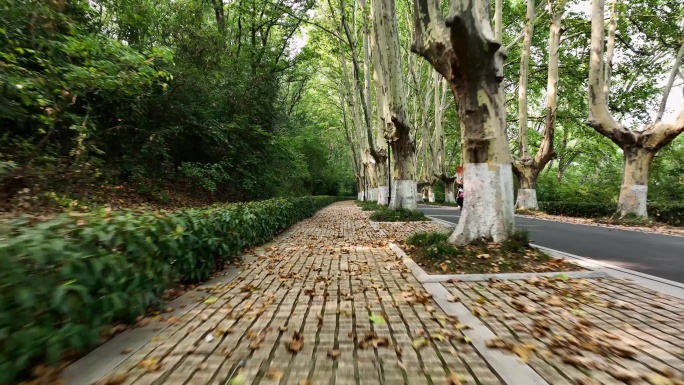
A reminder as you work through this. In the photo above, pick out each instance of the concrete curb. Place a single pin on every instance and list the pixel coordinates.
(507, 367)
(107, 357)
(423, 277)
(441, 221)
(662, 285)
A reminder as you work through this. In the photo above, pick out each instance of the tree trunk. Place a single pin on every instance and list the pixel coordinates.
(634, 189)
(431, 193)
(464, 51)
(522, 84)
(639, 148)
(527, 190)
(449, 188)
(397, 128)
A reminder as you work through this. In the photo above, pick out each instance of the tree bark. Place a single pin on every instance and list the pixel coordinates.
(522, 84)
(639, 148)
(449, 189)
(462, 48)
(526, 168)
(397, 127)
(634, 189)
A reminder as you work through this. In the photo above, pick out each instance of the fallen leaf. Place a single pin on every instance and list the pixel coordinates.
(454, 379)
(211, 300)
(274, 374)
(282, 328)
(296, 344)
(334, 353)
(420, 342)
(657, 379)
(377, 319)
(451, 298)
(126, 351)
(622, 374)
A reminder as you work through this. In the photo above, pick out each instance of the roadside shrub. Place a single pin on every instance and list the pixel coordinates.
(64, 280)
(368, 205)
(671, 214)
(578, 209)
(384, 214)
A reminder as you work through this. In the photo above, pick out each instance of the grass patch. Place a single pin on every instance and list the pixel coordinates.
(437, 256)
(628, 220)
(368, 205)
(448, 204)
(384, 214)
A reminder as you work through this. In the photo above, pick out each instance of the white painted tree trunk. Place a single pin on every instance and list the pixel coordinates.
(527, 199)
(397, 128)
(383, 195)
(639, 148)
(527, 168)
(404, 194)
(464, 50)
(449, 194)
(634, 189)
(488, 204)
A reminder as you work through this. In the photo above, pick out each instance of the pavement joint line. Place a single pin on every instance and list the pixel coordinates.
(507, 367)
(107, 357)
(663, 285)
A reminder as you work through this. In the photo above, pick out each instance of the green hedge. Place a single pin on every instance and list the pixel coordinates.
(672, 214)
(64, 280)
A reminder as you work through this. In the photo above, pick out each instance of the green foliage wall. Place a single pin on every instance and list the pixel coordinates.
(64, 280)
(163, 91)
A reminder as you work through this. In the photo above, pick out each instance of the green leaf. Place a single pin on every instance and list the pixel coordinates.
(211, 300)
(377, 319)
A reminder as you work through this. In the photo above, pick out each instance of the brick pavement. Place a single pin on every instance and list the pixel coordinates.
(334, 281)
(608, 331)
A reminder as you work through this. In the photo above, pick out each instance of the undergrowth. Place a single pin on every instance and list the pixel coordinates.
(384, 214)
(433, 251)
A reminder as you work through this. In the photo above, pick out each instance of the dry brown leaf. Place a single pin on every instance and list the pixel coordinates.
(282, 328)
(334, 353)
(454, 379)
(274, 374)
(657, 379)
(296, 344)
(581, 361)
(452, 298)
(622, 374)
(126, 351)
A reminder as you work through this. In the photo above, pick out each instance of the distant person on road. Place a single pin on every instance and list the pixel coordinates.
(459, 198)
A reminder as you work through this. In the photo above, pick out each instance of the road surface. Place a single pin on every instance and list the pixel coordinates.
(655, 254)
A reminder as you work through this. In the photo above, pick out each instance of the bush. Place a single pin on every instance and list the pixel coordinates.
(368, 205)
(671, 214)
(384, 214)
(578, 209)
(64, 280)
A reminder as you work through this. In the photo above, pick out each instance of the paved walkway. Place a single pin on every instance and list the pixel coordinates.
(331, 280)
(328, 302)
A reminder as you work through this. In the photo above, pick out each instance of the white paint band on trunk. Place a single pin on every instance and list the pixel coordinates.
(383, 194)
(449, 197)
(633, 200)
(488, 211)
(527, 199)
(404, 194)
(431, 197)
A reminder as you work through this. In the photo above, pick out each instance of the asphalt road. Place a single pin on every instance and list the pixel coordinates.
(654, 254)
